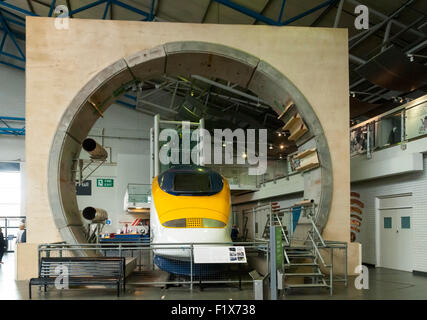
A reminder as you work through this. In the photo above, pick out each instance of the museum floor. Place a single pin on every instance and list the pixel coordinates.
(383, 284)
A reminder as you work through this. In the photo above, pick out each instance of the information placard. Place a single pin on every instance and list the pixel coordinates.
(219, 254)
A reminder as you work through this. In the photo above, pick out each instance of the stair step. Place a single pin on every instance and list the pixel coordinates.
(298, 252)
(297, 248)
(302, 265)
(306, 285)
(300, 256)
(303, 274)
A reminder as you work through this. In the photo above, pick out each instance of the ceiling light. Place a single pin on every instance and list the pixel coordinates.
(282, 146)
(279, 134)
(270, 147)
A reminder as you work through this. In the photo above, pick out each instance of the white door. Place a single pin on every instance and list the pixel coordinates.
(395, 214)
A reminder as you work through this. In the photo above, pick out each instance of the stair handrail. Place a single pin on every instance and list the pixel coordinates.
(317, 232)
(281, 227)
(316, 248)
(286, 256)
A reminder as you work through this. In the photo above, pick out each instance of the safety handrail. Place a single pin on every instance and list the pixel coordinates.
(316, 248)
(286, 257)
(317, 232)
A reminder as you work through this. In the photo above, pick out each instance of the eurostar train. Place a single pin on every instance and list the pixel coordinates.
(190, 204)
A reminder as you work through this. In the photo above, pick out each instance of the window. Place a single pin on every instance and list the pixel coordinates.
(405, 222)
(194, 182)
(10, 194)
(387, 222)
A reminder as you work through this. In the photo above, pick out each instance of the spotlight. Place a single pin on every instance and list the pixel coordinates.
(279, 134)
(282, 147)
(270, 147)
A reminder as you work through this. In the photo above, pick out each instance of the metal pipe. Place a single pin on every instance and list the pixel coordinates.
(155, 105)
(156, 144)
(95, 150)
(117, 137)
(219, 85)
(338, 16)
(419, 46)
(356, 59)
(95, 214)
(201, 142)
(151, 153)
(386, 34)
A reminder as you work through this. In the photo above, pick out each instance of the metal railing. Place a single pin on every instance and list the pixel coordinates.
(313, 241)
(317, 242)
(187, 271)
(395, 127)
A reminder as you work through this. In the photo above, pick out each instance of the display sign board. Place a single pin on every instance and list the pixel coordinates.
(223, 254)
(105, 183)
(84, 188)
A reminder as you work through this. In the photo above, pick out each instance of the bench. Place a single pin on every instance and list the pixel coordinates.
(81, 271)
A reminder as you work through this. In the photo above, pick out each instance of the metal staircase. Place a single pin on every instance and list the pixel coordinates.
(304, 249)
(303, 262)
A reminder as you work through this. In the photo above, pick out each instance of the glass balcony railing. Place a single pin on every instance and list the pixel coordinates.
(416, 121)
(400, 125)
(138, 196)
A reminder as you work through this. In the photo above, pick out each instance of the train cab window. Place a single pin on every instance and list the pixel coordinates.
(192, 182)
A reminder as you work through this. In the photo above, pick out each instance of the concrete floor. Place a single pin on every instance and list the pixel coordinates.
(383, 284)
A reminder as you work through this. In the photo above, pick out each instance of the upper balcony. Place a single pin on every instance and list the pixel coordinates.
(391, 143)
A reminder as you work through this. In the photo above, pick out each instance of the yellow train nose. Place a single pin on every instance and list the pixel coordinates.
(192, 211)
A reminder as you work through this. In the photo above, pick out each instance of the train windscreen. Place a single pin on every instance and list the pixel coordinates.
(192, 182)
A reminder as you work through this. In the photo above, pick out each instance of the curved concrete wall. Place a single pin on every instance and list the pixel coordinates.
(172, 59)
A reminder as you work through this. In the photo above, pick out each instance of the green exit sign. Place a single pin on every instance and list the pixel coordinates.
(105, 183)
